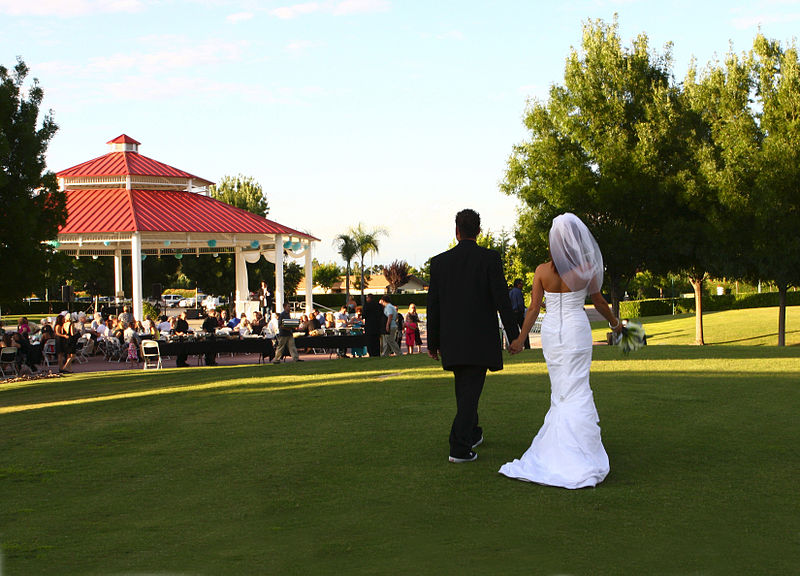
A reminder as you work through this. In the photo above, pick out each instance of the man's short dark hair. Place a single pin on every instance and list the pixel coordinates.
(468, 223)
(518, 281)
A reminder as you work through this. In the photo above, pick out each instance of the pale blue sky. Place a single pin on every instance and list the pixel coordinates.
(394, 113)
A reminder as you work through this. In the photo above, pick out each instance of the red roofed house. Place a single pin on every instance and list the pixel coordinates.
(126, 204)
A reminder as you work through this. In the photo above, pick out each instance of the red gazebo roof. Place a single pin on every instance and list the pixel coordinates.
(126, 164)
(120, 210)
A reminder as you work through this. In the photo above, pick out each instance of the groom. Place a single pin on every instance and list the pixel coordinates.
(467, 289)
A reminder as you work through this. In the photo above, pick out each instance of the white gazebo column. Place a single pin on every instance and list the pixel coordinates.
(117, 275)
(242, 292)
(309, 279)
(279, 273)
(136, 276)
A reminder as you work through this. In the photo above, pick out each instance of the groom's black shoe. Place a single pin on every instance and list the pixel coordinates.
(470, 457)
(478, 442)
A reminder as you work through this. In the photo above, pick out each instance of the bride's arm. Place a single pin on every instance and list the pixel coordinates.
(601, 306)
(537, 295)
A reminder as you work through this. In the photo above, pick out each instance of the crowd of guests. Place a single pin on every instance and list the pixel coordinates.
(121, 335)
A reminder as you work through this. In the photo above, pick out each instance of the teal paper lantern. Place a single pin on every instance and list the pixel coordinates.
(287, 244)
(167, 242)
(178, 255)
(212, 243)
(143, 257)
(296, 246)
(106, 243)
(254, 244)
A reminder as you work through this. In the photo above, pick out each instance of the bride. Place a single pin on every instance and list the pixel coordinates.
(567, 451)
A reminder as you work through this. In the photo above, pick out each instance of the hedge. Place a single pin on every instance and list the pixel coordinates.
(711, 303)
(336, 301)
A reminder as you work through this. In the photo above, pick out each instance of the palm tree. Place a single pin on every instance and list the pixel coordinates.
(366, 243)
(348, 248)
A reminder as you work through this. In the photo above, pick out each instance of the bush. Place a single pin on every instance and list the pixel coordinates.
(640, 308)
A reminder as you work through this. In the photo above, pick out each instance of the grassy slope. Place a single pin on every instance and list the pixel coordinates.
(287, 470)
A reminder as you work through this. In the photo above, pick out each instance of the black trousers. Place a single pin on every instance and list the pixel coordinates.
(465, 430)
(374, 344)
(520, 317)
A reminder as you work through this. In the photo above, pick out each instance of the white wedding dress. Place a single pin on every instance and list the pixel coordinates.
(567, 451)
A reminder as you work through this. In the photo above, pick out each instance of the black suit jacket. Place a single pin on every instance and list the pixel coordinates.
(374, 320)
(467, 289)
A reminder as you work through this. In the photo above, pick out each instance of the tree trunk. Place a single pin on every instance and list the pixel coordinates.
(782, 289)
(697, 284)
(347, 285)
(613, 292)
(363, 300)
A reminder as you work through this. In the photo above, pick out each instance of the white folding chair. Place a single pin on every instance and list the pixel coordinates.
(81, 350)
(49, 352)
(8, 358)
(151, 354)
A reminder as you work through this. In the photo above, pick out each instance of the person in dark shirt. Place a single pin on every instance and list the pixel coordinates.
(374, 321)
(210, 328)
(518, 306)
(181, 329)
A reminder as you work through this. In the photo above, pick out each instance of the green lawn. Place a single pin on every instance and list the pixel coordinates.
(341, 467)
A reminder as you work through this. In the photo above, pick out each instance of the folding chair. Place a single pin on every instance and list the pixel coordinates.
(8, 358)
(151, 354)
(49, 352)
(81, 350)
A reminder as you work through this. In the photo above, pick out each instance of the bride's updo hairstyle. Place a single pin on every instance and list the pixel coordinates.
(576, 254)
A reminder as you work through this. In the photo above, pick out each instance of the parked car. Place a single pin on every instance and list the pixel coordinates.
(172, 300)
(187, 302)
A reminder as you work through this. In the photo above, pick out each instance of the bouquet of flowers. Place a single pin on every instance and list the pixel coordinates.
(631, 337)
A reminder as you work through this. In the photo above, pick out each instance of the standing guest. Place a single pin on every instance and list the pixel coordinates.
(181, 329)
(285, 338)
(518, 307)
(351, 306)
(373, 322)
(265, 298)
(410, 326)
(467, 290)
(390, 333)
(210, 328)
(414, 317)
(63, 347)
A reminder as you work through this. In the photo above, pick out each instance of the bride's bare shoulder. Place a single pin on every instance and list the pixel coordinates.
(545, 270)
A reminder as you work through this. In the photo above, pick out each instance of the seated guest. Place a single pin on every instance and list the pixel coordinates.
(314, 328)
(303, 326)
(233, 322)
(97, 321)
(341, 317)
(258, 324)
(164, 325)
(223, 319)
(126, 315)
(273, 327)
(23, 327)
(330, 323)
(321, 318)
(245, 329)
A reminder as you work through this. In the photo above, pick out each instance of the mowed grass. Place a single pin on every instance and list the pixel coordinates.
(340, 468)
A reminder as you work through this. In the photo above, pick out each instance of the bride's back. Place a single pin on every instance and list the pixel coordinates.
(550, 279)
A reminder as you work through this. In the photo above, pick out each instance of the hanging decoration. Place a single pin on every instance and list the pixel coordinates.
(212, 243)
(254, 244)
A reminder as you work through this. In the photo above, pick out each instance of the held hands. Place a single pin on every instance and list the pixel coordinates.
(433, 354)
(516, 346)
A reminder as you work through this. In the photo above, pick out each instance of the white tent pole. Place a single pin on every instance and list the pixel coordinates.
(242, 292)
(279, 273)
(309, 280)
(117, 275)
(136, 275)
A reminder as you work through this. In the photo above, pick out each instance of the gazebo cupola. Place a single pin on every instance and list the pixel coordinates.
(126, 204)
(124, 143)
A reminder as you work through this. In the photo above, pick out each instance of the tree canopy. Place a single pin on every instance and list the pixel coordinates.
(32, 206)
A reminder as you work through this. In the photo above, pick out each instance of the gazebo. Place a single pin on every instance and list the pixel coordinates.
(124, 204)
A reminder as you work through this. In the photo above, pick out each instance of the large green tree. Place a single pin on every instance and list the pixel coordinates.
(712, 229)
(243, 192)
(326, 275)
(602, 147)
(32, 207)
(777, 207)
